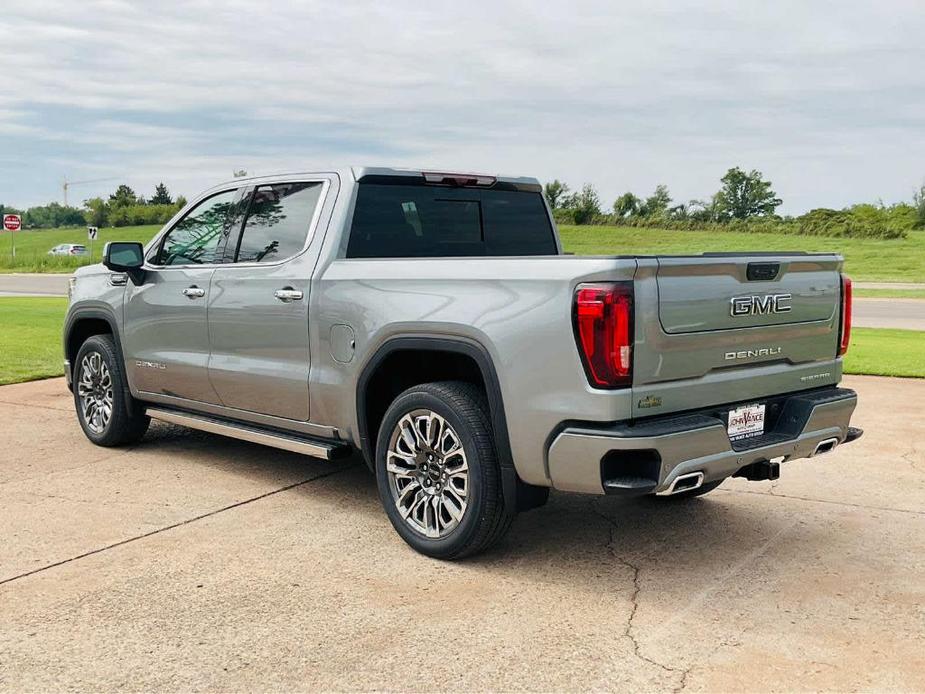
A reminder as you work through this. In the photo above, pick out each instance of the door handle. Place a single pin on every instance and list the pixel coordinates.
(194, 292)
(287, 294)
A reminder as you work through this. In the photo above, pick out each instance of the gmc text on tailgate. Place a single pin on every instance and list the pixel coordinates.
(431, 322)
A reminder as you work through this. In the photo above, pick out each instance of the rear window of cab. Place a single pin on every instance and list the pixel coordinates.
(409, 221)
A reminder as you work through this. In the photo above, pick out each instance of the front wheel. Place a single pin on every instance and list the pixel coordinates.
(105, 413)
(437, 471)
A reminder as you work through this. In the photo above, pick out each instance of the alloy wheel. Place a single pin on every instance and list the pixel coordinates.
(428, 473)
(94, 389)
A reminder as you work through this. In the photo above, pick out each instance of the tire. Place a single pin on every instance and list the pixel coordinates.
(99, 384)
(704, 488)
(422, 495)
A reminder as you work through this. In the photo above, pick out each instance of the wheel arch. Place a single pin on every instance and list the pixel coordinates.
(83, 323)
(462, 351)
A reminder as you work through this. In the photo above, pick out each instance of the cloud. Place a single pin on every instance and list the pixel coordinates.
(826, 98)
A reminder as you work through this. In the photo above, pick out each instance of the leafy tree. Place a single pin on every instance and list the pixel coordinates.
(51, 216)
(627, 205)
(702, 210)
(918, 198)
(584, 205)
(161, 196)
(555, 192)
(746, 195)
(97, 214)
(123, 197)
(181, 202)
(239, 173)
(656, 205)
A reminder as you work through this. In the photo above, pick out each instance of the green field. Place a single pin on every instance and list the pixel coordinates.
(889, 293)
(30, 344)
(32, 247)
(881, 352)
(30, 338)
(900, 260)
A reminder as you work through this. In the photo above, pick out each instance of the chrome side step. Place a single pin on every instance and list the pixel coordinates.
(317, 448)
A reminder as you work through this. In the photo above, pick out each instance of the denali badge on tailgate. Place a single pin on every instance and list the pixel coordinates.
(759, 305)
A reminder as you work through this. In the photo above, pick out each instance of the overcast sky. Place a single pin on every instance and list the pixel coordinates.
(826, 98)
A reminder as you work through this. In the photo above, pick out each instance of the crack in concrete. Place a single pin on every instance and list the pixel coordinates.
(178, 524)
(629, 628)
(38, 407)
(825, 501)
(908, 457)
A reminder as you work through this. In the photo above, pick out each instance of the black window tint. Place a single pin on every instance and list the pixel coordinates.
(278, 221)
(401, 221)
(516, 224)
(198, 237)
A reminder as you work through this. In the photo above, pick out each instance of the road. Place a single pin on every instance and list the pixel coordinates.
(192, 562)
(24, 284)
(908, 314)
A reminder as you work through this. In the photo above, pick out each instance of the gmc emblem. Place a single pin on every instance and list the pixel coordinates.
(759, 305)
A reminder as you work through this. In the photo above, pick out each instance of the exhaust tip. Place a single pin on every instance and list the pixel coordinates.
(684, 483)
(825, 446)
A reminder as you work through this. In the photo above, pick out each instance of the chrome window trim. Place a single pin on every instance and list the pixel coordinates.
(325, 182)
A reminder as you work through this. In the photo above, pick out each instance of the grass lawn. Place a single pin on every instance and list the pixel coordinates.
(30, 338)
(881, 352)
(900, 260)
(889, 293)
(30, 344)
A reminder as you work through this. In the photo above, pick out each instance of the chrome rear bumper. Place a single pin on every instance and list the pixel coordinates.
(649, 456)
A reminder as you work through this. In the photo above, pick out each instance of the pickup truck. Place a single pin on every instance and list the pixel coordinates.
(431, 322)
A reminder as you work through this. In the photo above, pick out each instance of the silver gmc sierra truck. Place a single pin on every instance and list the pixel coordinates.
(432, 322)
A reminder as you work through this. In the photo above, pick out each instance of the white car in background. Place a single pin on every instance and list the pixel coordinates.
(69, 249)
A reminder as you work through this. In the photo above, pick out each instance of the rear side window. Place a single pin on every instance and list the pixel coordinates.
(278, 221)
(408, 221)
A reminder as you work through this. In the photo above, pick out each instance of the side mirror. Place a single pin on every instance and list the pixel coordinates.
(127, 257)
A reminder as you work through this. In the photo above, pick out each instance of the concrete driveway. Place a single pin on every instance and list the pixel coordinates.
(193, 562)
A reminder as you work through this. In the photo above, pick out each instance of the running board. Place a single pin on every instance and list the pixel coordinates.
(317, 448)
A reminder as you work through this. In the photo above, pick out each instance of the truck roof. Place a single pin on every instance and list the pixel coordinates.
(358, 173)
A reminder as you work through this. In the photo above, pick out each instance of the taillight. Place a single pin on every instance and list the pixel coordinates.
(844, 333)
(604, 331)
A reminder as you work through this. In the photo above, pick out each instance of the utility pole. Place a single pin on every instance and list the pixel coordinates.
(67, 184)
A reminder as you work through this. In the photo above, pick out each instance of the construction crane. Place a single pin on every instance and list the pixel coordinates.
(67, 184)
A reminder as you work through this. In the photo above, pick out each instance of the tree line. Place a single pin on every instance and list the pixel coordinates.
(744, 202)
(122, 208)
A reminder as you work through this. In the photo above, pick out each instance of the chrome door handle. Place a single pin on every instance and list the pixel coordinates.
(288, 294)
(194, 292)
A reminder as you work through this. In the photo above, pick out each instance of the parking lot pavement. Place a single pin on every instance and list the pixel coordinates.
(195, 562)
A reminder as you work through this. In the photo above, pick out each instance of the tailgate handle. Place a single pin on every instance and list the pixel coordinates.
(762, 271)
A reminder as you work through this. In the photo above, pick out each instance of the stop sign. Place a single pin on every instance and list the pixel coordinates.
(11, 222)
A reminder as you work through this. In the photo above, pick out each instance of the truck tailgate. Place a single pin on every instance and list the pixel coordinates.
(727, 328)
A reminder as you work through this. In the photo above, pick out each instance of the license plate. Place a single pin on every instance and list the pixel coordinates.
(745, 422)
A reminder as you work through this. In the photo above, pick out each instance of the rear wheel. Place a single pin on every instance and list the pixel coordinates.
(104, 410)
(437, 471)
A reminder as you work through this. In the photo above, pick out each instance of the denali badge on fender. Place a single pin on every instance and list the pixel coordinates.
(759, 305)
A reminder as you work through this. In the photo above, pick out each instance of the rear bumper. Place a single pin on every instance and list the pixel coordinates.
(647, 457)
